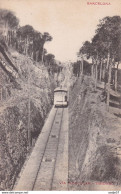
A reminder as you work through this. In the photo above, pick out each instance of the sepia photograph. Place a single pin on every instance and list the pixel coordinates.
(60, 95)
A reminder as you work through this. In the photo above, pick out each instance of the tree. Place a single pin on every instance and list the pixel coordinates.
(105, 51)
(98, 54)
(76, 68)
(37, 45)
(109, 30)
(45, 38)
(25, 38)
(9, 24)
(22, 38)
(50, 61)
(85, 50)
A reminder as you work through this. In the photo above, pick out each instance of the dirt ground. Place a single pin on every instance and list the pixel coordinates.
(94, 140)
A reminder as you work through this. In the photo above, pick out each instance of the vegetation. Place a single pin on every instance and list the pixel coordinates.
(25, 39)
(105, 52)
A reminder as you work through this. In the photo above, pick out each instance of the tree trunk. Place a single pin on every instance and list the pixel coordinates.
(36, 56)
(1, 94)
(25, 52)
(109, 65)
(115, 85)
(32, 54)
(82, 67)
(95, 75)
(116, 72)
(5, 33)
(10, 37)
(93, 69)
(100, 78)
(82, 64)
(29, 108)
(42, 55)
(49, 68)
(103, 71)
(19, 43)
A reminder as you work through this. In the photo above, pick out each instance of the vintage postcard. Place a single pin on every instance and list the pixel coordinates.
(60, 95)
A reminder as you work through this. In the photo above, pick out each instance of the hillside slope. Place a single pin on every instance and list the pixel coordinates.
(94, 140)
(15, 114)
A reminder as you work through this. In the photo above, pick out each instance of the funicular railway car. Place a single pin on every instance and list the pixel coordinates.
(60, 97)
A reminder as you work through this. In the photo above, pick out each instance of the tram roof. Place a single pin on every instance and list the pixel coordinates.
(60, 89)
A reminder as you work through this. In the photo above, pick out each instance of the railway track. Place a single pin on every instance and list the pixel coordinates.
(46, 170)
(50, 169)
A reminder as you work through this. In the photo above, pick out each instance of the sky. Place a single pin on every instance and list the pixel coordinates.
(69, 22)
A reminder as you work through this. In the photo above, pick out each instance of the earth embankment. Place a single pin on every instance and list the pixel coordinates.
(94, 139)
